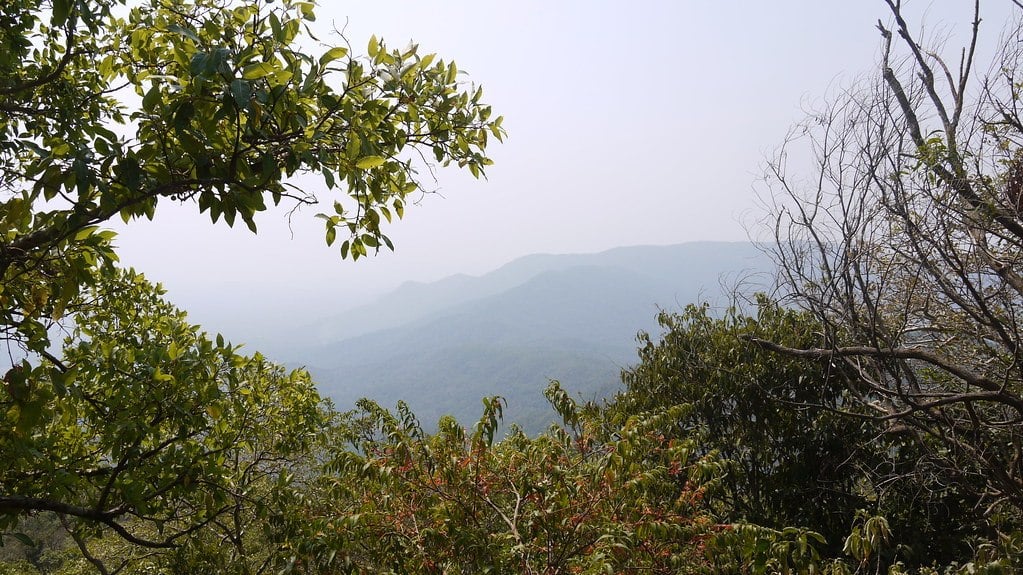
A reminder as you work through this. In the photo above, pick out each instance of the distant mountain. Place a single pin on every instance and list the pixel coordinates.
(443, 346)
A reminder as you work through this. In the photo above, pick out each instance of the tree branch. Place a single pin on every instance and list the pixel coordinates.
(896, 353)
(16, 503)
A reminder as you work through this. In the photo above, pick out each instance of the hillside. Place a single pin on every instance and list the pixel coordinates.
(442, 346)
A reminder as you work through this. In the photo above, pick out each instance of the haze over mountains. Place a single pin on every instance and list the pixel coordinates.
(443, 346)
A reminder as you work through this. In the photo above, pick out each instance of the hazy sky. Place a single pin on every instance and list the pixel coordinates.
(628, 123)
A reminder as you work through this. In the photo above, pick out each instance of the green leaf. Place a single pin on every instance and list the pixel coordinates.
(183, 115)
(198, 64)
(282, 76)
(61, 11)
(369, 162)
(275, 28)
(242, 92)
(58, 380)
(308, 10)
(85, 232)
(151, 98)
(333, 54)
(259, 70)
(177, 29)
(214, 411)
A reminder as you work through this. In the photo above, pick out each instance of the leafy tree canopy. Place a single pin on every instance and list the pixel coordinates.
(109, 107)
(140, 425)
(398, 500)
(147, 428)
(797, 453)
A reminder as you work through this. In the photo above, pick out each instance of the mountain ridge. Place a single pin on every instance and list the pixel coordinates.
(443, 345)
(412, 300)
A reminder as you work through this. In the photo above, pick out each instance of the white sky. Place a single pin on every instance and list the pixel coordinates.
(641, 122)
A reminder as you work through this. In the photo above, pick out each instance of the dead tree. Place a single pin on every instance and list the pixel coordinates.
(906, 240)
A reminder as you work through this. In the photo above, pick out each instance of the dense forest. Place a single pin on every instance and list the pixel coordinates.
(863, 417)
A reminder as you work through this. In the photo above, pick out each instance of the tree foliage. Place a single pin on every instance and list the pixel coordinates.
(146, 428)
(140, 432)
(892, 386)
(109, 109)
(750, 407)
(399, 500)
(793, 458)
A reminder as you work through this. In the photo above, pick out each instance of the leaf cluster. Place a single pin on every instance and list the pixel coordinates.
(400, 500)
(801, 459)
(147, 428)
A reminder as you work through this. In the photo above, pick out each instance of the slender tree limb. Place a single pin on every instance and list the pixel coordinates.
(77, 538)
(899, 353)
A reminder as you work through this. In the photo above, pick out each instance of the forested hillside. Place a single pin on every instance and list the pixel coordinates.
(573, 318)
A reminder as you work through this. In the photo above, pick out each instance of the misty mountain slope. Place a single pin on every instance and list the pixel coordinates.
(585, 308)
(454, 380)
(678, 269)
(572, 318)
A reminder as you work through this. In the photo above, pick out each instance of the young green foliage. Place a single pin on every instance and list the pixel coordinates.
(143, 426)
(108, 109)
(399, 500)
(147, 429)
